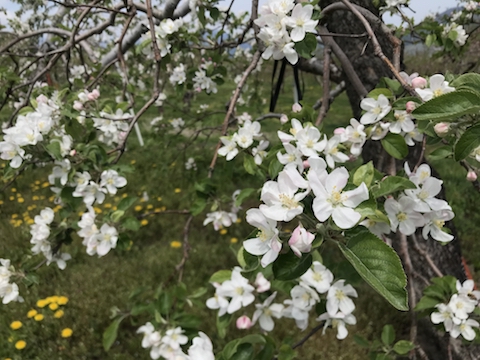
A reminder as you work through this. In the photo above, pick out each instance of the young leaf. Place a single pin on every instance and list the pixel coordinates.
(364, 174)
(379, 265)
(390, 185)
(290, 267)
(110, 334)
(395, 145)
(469, 140)
(402, 347)
(388, 334)
(449, 107)
(221, 276)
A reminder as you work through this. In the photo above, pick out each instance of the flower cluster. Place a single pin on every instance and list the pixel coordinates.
(168, 345)
(222, 219)
(455, 315)
(8, 290)
(280, 31)
(204, 78)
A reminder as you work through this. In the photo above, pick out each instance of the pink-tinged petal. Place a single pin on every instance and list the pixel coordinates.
(345, 218)
(322, 209)
(336, 180)
(356, 196)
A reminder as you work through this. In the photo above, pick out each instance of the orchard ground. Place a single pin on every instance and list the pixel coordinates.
(160, 181)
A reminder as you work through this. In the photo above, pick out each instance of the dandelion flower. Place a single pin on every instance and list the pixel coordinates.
(138, 208)
(15, 325)
(53, 306)
(32, 313)
(62, 300)
(20, 344)
(38, 317)
(58, 314)
(233, 240)
(67, 332)
(176, 244)
(42, 303)
(177, 190)
(223, 231)
(144, 222)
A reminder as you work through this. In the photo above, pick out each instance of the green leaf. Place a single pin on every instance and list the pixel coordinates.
(286, 352)
(117, 215)
(222, 324)
(307, 46)
(449, 107)
(388, 334)
(379, 265)
(125, 203)
(361, 341)
(470, 81)
(427, 303)
(249, 164)
(290, 267)
(380, 91)
(198, 206)
(402, 347)
(244, 352)
(395, 145)
(390, 185)
(431, 38)
(440, 153)
(131, 223)
(469, 140)
(245, 193)
(364, 174)
(274, 168)
(247, 261)
(110, 334)
(221, 276)
(54, 149)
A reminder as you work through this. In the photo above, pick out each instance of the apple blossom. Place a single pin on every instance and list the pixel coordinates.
(338, 298)
(402, 215)
(338, 321)
(243, 322)
(301, 241)
(266, 312)
(376, 110)
(318, 277)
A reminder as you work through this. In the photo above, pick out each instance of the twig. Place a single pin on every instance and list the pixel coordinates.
(161, 212)
(340, 88)
(427, 257)
(269, 116)
(308, 336)
(421, 157)
(186, 248)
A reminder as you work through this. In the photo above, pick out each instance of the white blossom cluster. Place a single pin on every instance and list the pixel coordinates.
(236, 293)
(201, 80)
(222, 219)
(162, 31)
(8, 290)
(416, 208)
(30, 129)
(169, 345)
(455, 315)
(282, 24)
(244, 138)
(455, 32)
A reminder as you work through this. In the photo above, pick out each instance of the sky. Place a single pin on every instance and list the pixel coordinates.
(422, 8)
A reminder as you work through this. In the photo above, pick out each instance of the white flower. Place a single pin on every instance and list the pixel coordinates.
(438, 86)
(292, 155)
(13, 152)
(462, 305)
(46, 217)
(303, 300)
(338, 321)
(465, 328)
(267, 242)
(301, 22)
(376, 110)
(9, 292)
(356, 135)
(178, 75)
(338, 298)
(59, 258)
(308, 141)
(243, 138)
(238, 289)
(331, 200)
(444, 315)
(332, 154)
(202, 348)
(174, 338)
(218, 302)
(376, 227)
(150, 336)
(318, 277)
(111, 180)
(404, 122)
(435, 222)
(402, 215)
(220, 219)
(424, 196)
(266, 312)
(301, 241)
(467, 288)
(229, 150)
(103, 242)
(259, 152)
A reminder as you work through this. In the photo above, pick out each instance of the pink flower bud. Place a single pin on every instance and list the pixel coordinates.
(301, 241)
(284, 119)
(471, 176)
(410, 106)
(306, 164)
(244, 322)
(73, 152)
(441, 129)
(339, 131)
(296, 108)
(419, 82)
(94, 95)
(77, 105)
(42, 99)
(262, 283)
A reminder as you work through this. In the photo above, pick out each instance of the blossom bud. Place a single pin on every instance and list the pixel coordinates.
(296, 108)
(306, 164)
(73, 152)
(471, 176)
(410, 106)
(93, 95)
(441, 129)
(339, 131)
(284, 119)
(419, 82)
(77, 105)
(42, 99)
(262, 283)
(301, 241)
(244, 322)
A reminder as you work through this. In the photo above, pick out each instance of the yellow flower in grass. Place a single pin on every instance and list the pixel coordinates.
(58, 314)
(67, 332)
(15, 325)
(223, 231)
(144, 222)
(30, 221)
(32, 313)
(37, 182)
(14, 190)
(149, 206)
(42, 303)
(124, 195)
(133, 162)
(97, 210)
(233, 240)
(177, 191)
(11, 198)
(176, 244)
(21, 200)
(1, 202)
(20, 344)
(238, 221)
(159, 198)
(138, 208)
(35, 198)
(107, 206)
(62, 300)
(53, 306)
(38, 317)
(45, 184)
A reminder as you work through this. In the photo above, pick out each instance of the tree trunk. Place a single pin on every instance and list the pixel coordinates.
(446, 259)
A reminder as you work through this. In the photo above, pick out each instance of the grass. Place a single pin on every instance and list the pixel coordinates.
(93, 286)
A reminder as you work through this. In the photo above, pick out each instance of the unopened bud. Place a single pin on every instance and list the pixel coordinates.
(42, 99)
(296, 108)
(419, 82)
(77, 105)
(306, 164)
(73, 152)
(284, 119)
(410, 106)
(441, 129)
(94, 95)
(471, 176)
(244, 322)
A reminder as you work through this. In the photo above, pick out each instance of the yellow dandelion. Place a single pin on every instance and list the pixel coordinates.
(177, 190)
(107, 206)
(30, 221)
(157, 209)
(32, 313)
(159, 198)
(138, 208)
(14, 216)
(67, 332)
(37, 182)
(38, 317)
(62, 300)
(42, 303)
(11, 198)
(53, 306)
(238, 221)
(58, 314)
(176, 244)
(20, 344)
(35, 198)
(163, 208)
(133, 162)
(144, 222)
(233, 240)
(51, 198)
(45, 184)
(124, 195)
(149, 206)
(21, 200)
(114, 208)
(1, 202)
(14, 190)
(15, 325)
(97, 210)
(223, 231)
(34, 206)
